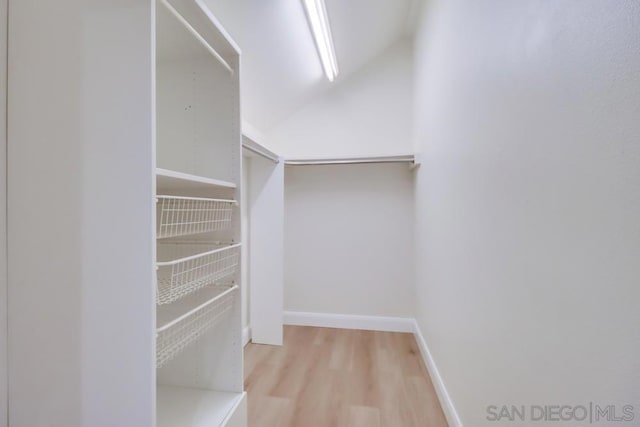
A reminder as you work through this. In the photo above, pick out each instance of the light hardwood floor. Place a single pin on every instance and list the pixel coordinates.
(325, 377)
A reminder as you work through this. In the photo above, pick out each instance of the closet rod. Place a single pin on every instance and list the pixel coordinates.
(409, 158)
(261, 151)
(197, 35)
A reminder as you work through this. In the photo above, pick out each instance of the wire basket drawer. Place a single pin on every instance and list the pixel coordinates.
(183, 216)
(192, 267)
(174, 336)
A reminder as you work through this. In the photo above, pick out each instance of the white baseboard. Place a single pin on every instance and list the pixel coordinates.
(349, 321)
(443, 396)
(246, 336)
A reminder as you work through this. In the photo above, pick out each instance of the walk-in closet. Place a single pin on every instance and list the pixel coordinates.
(319, 213)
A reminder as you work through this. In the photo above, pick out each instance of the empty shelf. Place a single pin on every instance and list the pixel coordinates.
(183, 323)
(186, 268)
(192, 407)
(183, 216)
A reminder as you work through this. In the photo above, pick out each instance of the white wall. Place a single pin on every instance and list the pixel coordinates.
(528, 204)
(349, 239)
(369, 113)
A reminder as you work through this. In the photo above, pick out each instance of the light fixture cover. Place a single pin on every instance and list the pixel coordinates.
(319, 23)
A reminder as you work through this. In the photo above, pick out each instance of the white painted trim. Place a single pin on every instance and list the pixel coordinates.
(349, 321)
(246, 335)
(443, 396)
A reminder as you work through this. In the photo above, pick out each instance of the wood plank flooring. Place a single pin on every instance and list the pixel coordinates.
(325, 377)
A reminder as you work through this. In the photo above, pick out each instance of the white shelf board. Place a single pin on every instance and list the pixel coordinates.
(168, 180)
(192, 407)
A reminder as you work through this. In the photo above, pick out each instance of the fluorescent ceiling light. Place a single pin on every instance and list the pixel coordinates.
(317, 14)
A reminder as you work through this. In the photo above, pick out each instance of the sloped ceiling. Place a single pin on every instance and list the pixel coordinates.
(281, 71)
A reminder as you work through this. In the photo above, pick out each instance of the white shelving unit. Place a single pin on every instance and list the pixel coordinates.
(111, 105)
(198, 229)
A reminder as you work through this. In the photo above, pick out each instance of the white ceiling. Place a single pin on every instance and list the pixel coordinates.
(281, 71)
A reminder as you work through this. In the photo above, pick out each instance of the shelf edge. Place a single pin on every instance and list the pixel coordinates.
(189, 178)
